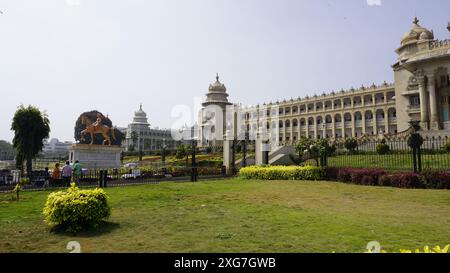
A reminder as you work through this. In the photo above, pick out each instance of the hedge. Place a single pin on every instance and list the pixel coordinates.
(379, 177)
(282, 173)
(75, 210)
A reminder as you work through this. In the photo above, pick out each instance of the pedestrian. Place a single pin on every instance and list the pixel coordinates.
(76, 171)
(47, 178)
(67, 174)
(56, 174)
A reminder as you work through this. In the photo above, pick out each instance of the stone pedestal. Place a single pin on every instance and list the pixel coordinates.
(94, 157)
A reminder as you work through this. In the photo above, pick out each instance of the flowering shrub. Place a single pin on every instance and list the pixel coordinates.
(378, 177)
(282, 173)
(436, 180)
(367, 177)
(406, 180)
(75, 209)
(331, 173)
(426, 249)
(354, 175)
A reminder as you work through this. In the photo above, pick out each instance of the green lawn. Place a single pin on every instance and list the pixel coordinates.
(241, 216)
(394, 162)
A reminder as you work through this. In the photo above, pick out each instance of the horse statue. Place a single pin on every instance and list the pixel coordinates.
(94, 128)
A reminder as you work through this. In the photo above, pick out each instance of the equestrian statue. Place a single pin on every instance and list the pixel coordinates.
(98, 127)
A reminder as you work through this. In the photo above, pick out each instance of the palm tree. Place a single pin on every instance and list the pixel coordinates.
(31, 127)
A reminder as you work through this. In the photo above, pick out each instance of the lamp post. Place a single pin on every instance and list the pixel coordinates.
(244, 150)
(194, 163)
(163, 151)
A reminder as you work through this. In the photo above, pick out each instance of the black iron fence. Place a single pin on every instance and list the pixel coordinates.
(191, 165)
(112, 177)
(395, 154)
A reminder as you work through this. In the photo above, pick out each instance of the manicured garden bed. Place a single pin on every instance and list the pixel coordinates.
(241, 216)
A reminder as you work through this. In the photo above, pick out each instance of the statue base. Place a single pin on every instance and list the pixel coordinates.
(95, 157)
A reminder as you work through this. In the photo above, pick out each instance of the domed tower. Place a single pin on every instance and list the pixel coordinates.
(212, 116)
(422, 80)
(140, 117)
(411, 39)
(139, 127)
(217, 94)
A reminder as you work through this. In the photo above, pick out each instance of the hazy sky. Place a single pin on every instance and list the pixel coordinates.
(71, 56)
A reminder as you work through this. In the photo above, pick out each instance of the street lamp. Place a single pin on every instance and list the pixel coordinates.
(163, 152)
(194, 163)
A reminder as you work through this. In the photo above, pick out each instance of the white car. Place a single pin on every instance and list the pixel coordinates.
(131, 165)
(133, 175)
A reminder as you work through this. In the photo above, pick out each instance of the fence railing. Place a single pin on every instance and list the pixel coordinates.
(399, 156)
(43, 179)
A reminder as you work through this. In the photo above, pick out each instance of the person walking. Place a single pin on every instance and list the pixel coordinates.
(46, 177)
(56, 174)
(67, 174)
(76, 171)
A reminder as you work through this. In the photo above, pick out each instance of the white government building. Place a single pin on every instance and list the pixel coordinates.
(421, 92)
(147, 138)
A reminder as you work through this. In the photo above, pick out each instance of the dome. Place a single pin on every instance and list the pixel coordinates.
(425, 36)
(217, 86)
(140, 117)
(217, 94)
(140, 112)
(416, 33)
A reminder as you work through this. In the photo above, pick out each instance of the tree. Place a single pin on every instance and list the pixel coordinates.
(383, 148)
(303, 145)
(181, 152)
(188, 150)
(351, 144)
(31, 127)
(307, 148)
(6, 150)
(134, 138)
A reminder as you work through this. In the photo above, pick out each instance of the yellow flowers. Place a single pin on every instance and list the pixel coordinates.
(282, 173)
(76, 209)
(426, 249)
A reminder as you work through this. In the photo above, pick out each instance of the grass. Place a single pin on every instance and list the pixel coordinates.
(241, 216)
(393, 162)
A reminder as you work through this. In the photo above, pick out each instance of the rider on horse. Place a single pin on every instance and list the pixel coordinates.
(98, 122)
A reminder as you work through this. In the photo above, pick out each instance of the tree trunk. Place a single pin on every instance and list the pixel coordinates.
(29, 165)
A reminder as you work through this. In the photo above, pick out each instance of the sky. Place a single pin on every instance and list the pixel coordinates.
(71, 56)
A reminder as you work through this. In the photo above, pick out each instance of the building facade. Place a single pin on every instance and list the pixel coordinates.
(139, 136)
(421, 92)
(56, 148)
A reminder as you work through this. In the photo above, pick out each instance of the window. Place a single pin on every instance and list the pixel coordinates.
(444, 80)
(414, 100)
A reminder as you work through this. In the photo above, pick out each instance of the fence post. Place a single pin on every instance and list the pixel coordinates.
(100, 179)
(244, 151)
(105, 178)
(419, 159)
(194, 164)
(415, 141)
(414, 159)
